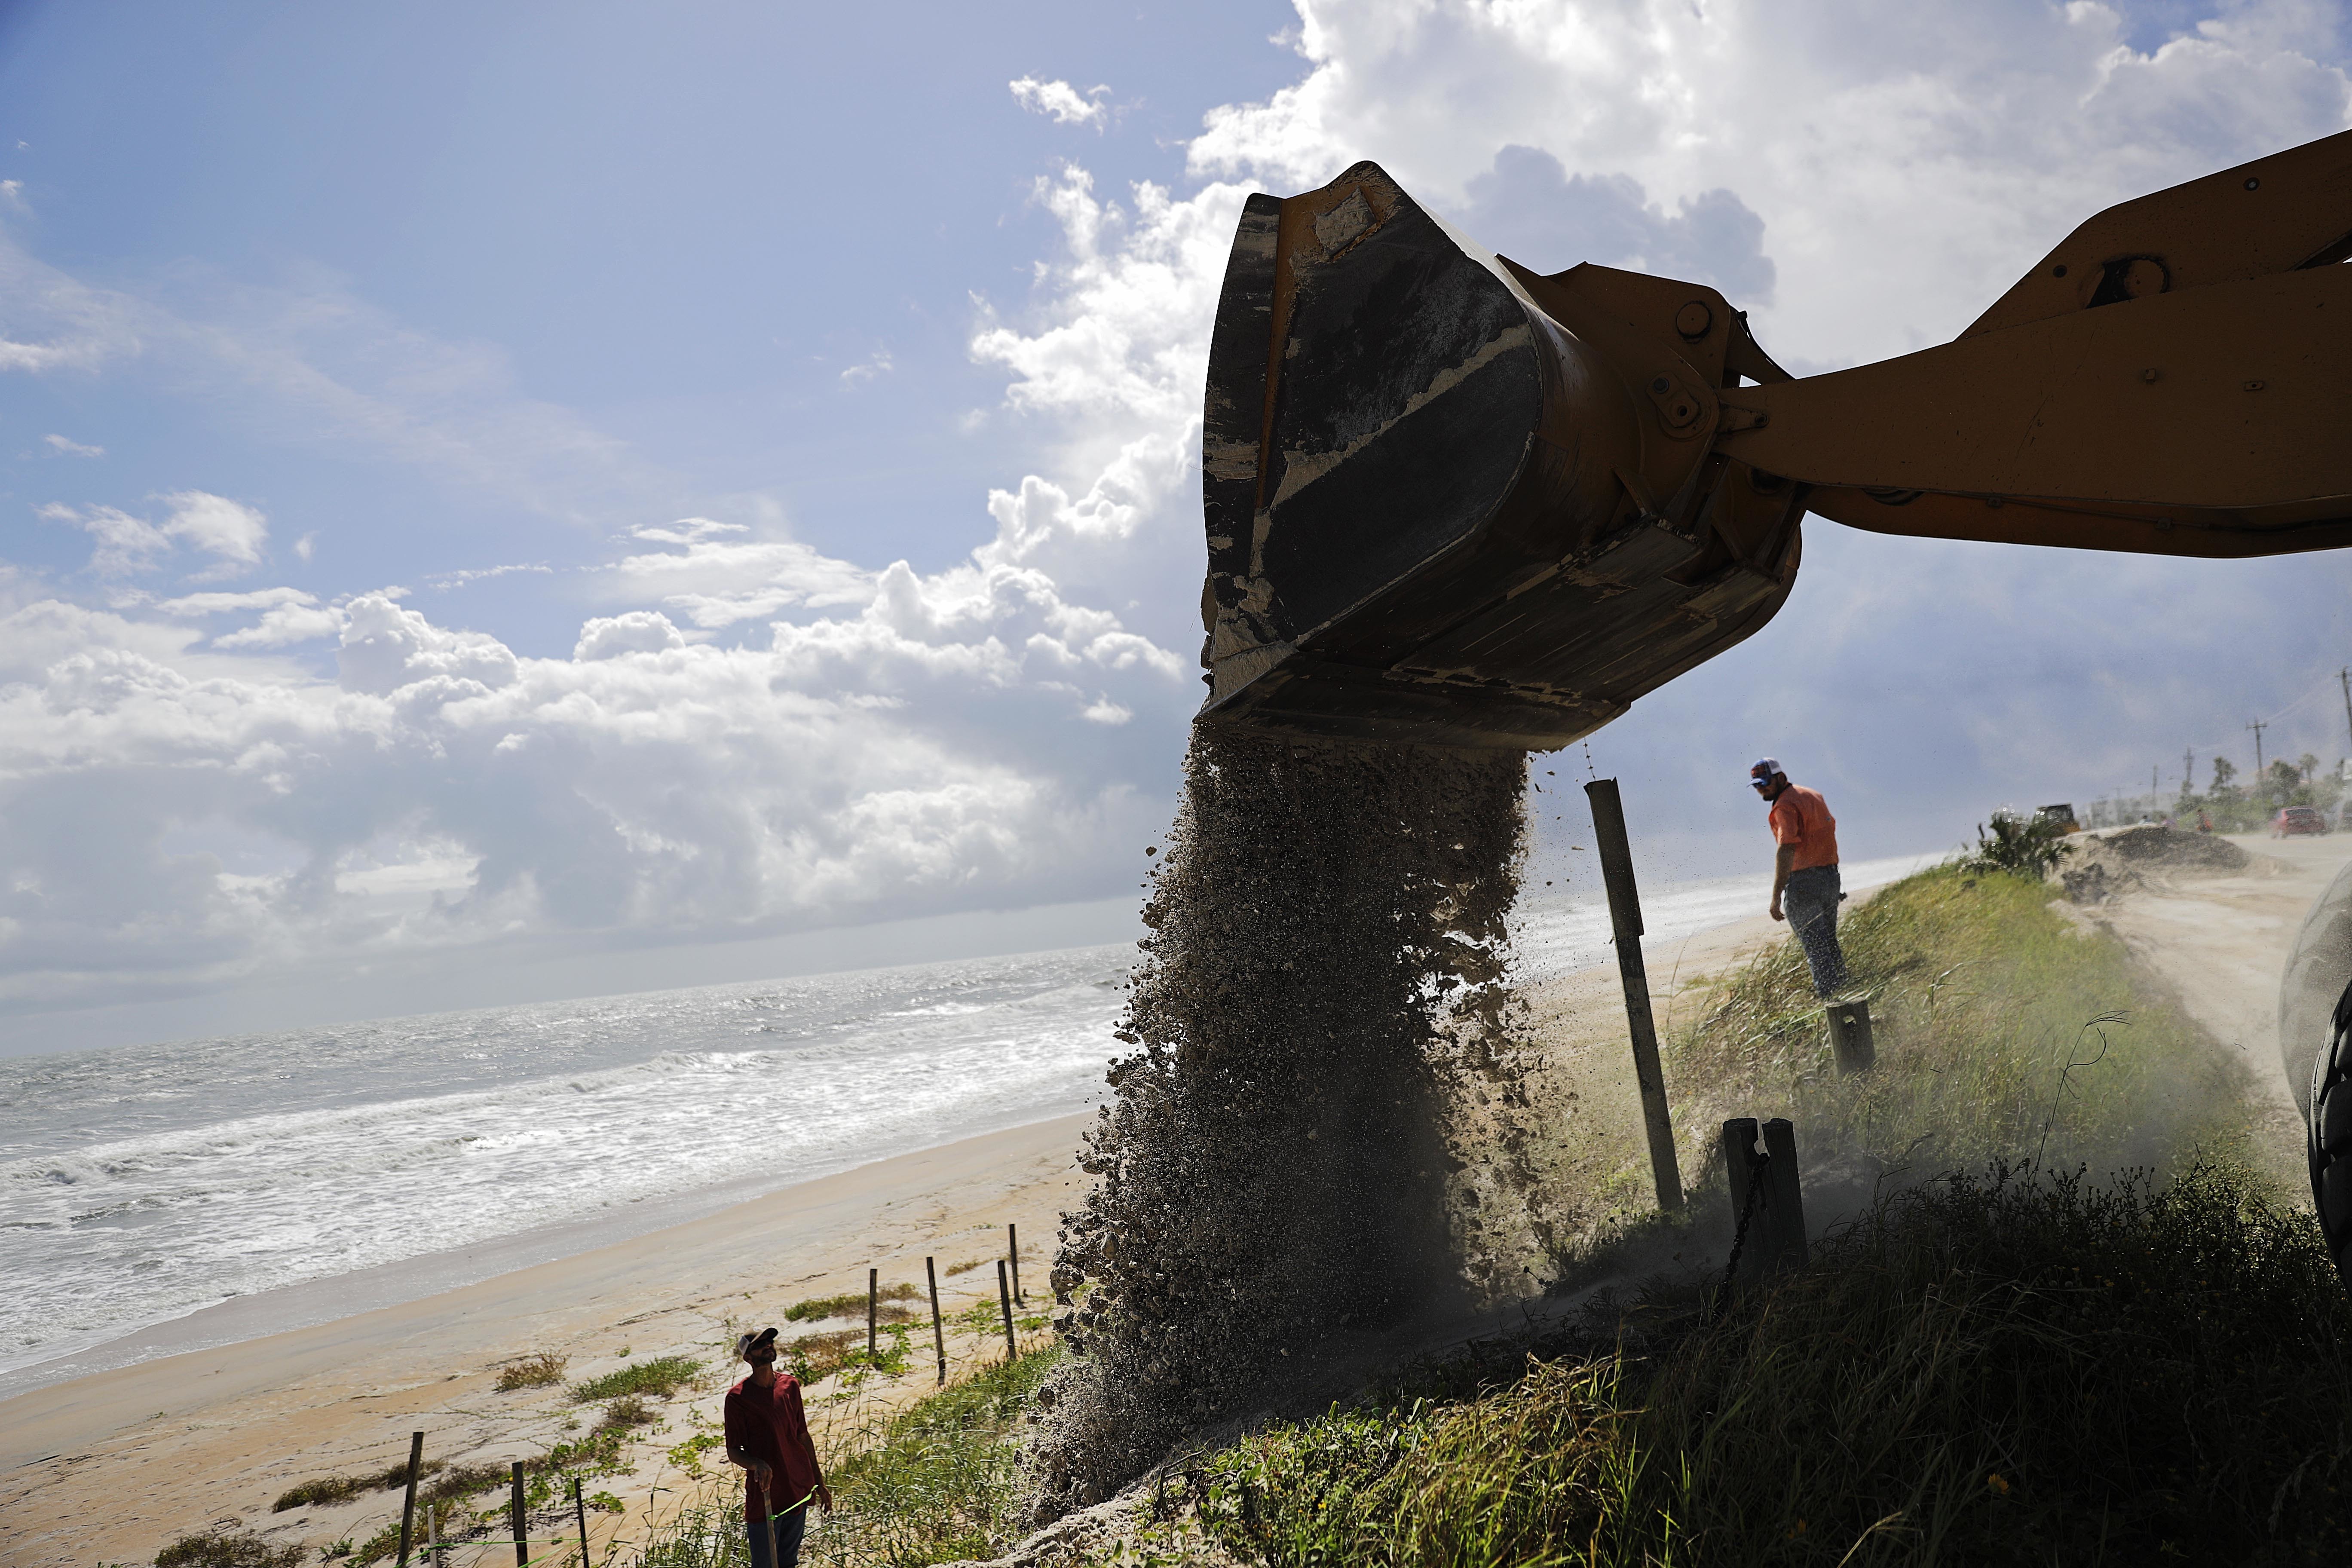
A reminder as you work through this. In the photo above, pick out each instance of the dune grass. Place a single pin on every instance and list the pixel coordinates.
(849, 1304)
(2019, 1367)
(2004, 1030)
(661, 1377)
(934, 1483)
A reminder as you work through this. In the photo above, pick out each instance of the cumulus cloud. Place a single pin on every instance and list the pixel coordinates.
(64, 447)
(1064, 103)
(231, 533)
(750, 734)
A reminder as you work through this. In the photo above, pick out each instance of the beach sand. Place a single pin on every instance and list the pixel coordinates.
(112, 1467)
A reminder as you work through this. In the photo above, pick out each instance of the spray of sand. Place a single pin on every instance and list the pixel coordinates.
(1322, 1126)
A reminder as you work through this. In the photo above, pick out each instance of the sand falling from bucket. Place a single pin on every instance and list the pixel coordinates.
(1321, 1035)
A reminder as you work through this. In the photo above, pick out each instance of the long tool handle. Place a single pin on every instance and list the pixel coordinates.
(1625, 918)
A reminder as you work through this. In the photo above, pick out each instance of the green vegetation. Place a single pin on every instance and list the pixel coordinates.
(2003, 1030)
(2016, 1368)
(935, 1485)
(330, 1489)
(661, 1377)
(223, 1548)
(542, 1371)
(850, 1304)
(2030, 846)
(816, 1356)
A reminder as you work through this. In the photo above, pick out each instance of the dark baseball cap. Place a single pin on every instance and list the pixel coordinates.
(760, 1346)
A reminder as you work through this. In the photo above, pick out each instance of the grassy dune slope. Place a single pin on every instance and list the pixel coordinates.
(2099, 1336)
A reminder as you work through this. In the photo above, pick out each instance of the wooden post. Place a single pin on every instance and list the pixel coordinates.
(522, 1537)
(873, 1308)
(580, 1512)
(408, 1498)
(1625, 921)
(1850, 1040)
(1787, 1198)
(939, 1334)
(1012, 1251)
(1004, 1294)
(1739, 1152)
(432, 1539)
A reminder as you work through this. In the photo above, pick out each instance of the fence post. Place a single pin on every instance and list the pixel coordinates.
(1850, 1040)
(522, 1539)
(1012, 1251)
(1004, 1294)
(1625, 921)
(580, 1512)
(939, 1334)
(873, 1308)
(1740, 1171)
(1787, 1197)
(408, 1497)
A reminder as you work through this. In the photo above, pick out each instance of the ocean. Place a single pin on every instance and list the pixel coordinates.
(143, 1183)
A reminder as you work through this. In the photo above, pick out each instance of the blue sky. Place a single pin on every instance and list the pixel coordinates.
(502, 501)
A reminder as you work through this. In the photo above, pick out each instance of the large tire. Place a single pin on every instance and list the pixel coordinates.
(2329, 1123)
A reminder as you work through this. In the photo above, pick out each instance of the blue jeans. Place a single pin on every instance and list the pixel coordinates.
(788, 1539)
(1811, 902)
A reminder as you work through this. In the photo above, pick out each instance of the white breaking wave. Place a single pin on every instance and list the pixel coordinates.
(143, 1184)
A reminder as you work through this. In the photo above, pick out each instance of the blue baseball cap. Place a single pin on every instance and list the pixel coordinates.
(1763, 770)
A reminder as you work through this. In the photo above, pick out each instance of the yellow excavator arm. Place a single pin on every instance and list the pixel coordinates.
(1452, 500)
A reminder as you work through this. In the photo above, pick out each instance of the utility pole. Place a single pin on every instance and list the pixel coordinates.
(2258, 726)
(2345, 675)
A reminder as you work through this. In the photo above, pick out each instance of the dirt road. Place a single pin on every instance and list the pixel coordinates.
(2221, 942)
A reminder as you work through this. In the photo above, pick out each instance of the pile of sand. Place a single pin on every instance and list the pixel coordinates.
(2104, 865)
(1322, 1034)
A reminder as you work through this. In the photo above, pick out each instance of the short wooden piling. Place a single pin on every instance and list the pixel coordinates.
(1625, 922)
(1788, 1197)
(872, 1310)
(1005, 1295)
(521, 1520)
(408, 1497)
(1849, 1041)
(1768, 1204)
(580, 1512)
(1013, 1252)
(938, 1332)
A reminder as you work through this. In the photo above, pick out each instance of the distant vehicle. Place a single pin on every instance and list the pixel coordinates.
(2295, 819)
(2061, 814)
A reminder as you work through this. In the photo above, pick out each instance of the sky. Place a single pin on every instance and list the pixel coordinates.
(501, 503)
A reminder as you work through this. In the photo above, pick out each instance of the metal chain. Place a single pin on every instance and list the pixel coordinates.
(1756, 1168)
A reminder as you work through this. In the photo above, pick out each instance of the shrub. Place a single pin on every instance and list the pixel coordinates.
(532, 1371)
(2027, 846)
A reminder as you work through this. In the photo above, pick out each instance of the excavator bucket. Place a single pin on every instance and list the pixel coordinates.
(1450, 501)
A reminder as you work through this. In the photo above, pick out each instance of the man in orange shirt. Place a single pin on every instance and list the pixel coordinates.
(1804, 871)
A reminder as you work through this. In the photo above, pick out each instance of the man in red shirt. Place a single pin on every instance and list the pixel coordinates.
(768, 1437)
(1804, 871)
